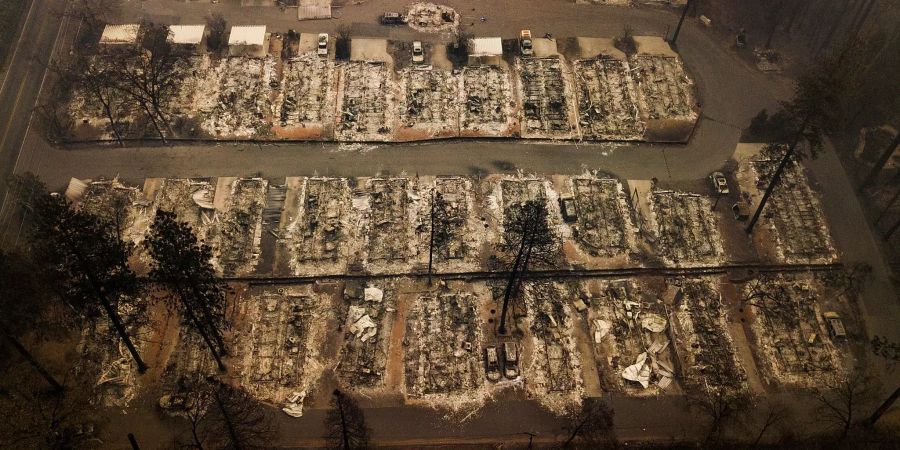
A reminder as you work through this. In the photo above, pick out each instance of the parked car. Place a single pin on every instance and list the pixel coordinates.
(720, 183)
(510, 360)
(525, 44)
(391, 18)
(835, 325)
(322, 49)
(567, 208)
(418, 54)
(492, 364)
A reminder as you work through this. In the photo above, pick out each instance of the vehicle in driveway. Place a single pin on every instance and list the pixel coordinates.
(526, 46)
(720, 183)
(391, 18)
(510, 360)
(322, 49)
(492, 364)
(418, 54)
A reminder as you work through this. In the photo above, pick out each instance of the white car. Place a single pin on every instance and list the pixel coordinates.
(418, 54)
(322, 49)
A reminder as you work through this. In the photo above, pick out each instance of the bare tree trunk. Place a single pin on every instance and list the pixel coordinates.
(882, 160)
(107, 109)
(229, 425)
(110, 311)
(512, 279)
(30, 358)
(344, 435)
(203, 334)
(217, 336)
(886, 405)
(777, 176)
(152, 117)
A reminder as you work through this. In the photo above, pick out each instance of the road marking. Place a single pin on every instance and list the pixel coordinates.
(53, 50)
(18, 43)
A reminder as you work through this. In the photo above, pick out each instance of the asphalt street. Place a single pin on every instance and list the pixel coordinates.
(731, 92)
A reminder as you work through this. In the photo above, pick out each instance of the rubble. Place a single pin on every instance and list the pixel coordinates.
(368, 321)
(444, 349)
(244, 105)
(607, 100)
(118, 204)
(305, 104)
(554, 373)
(790, 332)
(391, 219)
(279, 359)
(630, 340)
(793, 214)
(604, 226)
(190, 199)
(236, 232)
(431, 18)
(367, 111)
(486, 103)
(708, 354)
(663, 87)
(429, 103)
(685, 227)
(548, 105)
(318, 236)
(453, 210)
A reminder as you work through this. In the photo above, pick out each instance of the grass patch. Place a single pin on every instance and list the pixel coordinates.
(10, 15)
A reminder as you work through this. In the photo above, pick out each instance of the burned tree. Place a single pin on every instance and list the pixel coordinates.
(33, 417)
(811, 112)
(528, 230)
(217, 26)
(721, 407)
(181, 264)
(346, 424)
(440, 233)
(87, 261)
(149, 76)
(19, 281)
(591, 426)
(226, 417)
(99, 80)
(842, 401)
(342, 44)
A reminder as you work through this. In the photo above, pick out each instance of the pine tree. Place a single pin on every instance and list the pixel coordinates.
(87, 261)
(182, 264)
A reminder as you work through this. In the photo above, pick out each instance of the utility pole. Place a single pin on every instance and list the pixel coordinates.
(530, 438)
(431, 239)
(687, 6)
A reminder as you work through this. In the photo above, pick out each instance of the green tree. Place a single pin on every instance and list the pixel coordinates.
(182, 264)
(87, 261)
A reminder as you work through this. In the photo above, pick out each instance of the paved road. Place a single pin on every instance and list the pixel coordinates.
(19, 92)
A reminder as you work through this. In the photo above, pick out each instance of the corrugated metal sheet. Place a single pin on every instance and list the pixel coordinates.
(313, 12)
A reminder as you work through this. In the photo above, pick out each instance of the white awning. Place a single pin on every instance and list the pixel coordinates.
(486, 47)
(247, 35)
(120, 34)
(186, 34)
